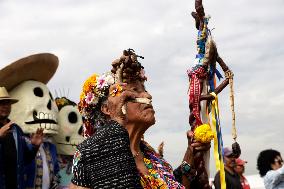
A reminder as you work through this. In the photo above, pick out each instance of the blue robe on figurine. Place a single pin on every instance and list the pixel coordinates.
(25, 154)
(42, 172)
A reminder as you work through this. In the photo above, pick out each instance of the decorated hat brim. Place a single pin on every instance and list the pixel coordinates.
(12, 100)
(38, 67)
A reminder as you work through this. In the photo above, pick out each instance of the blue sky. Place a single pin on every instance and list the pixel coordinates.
(88, 35)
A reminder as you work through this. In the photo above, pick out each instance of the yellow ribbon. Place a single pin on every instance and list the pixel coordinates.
(218, 161)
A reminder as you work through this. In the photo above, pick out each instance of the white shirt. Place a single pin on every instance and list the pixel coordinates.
(45, 175)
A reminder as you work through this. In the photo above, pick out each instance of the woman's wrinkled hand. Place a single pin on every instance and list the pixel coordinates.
(119, 95)
(195, 146)
(198, 146)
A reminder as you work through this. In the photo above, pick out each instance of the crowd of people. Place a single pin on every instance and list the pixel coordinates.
(117, 110)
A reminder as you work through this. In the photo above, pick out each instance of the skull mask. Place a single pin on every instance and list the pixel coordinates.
(70, 127)
(35, 109)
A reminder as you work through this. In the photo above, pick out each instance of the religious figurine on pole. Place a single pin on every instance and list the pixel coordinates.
(202, 87)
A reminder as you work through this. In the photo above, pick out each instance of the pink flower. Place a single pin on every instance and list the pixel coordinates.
(105, 80)
(101, 82)
(90, 98)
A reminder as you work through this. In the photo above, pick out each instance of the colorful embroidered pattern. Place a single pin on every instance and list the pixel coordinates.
(77, 157)
(160, 171)
(197, 73)
(195, 91)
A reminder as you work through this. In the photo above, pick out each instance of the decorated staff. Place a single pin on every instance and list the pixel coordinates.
(201, 75)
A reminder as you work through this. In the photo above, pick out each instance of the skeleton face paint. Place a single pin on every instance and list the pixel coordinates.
(36, 108)
(70, 129)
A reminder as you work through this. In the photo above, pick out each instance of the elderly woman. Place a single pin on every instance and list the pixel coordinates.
(270, 166)
(119, 107)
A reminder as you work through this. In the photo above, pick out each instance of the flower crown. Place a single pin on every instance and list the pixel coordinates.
(63, 101)
(95, 91)
(96, 88)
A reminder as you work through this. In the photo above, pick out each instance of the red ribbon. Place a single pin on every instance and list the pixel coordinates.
(195, 92)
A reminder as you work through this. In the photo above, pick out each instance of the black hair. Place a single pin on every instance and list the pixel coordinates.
(265, 159)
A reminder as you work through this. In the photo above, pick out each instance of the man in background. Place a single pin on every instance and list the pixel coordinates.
(232, 178)
(15, 153)
(240, 169)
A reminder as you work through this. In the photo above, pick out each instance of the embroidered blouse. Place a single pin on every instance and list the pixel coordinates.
(105, 161)
(160, 171)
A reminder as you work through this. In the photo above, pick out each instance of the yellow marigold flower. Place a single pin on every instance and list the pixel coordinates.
(203, 133)
(117, 91)
(82, 95)
(59, 102)
(90, 83)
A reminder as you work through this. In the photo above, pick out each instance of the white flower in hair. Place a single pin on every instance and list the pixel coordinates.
(109, 79)
(105, 80)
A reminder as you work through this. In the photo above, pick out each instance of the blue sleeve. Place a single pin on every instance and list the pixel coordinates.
(54, 158)
(30, 153)
(275, 176)
(29, 150)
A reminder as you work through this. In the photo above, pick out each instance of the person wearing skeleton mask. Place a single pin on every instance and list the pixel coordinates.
(15, 152)
(118, 106)
(68, 137)
(26, 80)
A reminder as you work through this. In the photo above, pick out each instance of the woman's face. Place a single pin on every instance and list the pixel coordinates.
(278, 162)
(139, 112)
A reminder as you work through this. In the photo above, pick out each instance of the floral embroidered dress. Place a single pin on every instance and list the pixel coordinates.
(160, 171)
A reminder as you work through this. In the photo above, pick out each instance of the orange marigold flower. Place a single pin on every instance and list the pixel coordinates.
(90, 83)
(82, 95)
(117, 91)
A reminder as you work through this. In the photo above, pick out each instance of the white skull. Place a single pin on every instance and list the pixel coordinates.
(70, 129)
(36, 108)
